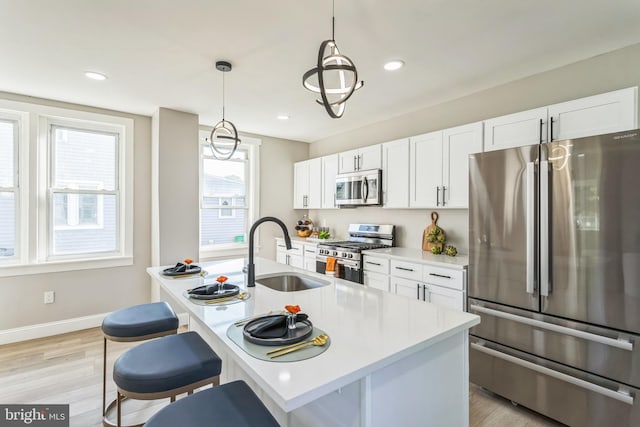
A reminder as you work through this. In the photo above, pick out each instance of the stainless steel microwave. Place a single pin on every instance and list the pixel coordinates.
(362, 188)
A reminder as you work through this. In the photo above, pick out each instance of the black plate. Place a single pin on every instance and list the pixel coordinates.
(303, 330)
(171, 271)
(229, 291)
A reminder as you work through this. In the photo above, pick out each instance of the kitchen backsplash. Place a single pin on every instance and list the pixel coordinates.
(410, 223)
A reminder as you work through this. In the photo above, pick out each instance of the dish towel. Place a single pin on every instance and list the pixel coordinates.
(331, 264)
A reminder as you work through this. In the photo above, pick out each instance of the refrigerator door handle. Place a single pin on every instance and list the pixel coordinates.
(612, 342)
(530, 228)
(617, 395)
(545, 285)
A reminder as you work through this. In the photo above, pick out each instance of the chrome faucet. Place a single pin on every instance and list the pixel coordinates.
(251, 268)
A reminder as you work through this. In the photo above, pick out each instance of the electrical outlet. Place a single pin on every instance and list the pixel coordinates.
(49, 297)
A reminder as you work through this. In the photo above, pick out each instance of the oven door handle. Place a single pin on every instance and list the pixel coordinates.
(350, 264)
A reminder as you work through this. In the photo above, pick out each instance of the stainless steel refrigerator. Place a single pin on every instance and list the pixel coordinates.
(554, 273)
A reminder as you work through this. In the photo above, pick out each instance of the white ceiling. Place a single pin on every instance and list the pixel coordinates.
(161, 53)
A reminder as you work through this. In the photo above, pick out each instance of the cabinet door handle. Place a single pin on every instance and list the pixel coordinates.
(437, 196)
(418, 291)
(443, 195)
(404, 268)
(541, 141)
(551, 129)
(355, 168)
(440, 275)
(373, 263)
(425, 289)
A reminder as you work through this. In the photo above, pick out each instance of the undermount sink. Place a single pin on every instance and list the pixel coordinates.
(290, 282)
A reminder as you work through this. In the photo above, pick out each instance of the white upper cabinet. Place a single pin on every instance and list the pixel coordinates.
(395, 173)
(595, 115)
(362, 159)
(329, 172)
(307, 185)
(425, 170)
(516, 130)
(457, 144)
(439, 166)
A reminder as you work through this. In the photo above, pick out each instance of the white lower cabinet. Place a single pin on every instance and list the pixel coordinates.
(301, 255)
(376, 280)
(426, 282)
(310, 256)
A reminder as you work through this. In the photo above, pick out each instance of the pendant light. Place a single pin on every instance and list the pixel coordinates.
(224, 133)
(335, 69)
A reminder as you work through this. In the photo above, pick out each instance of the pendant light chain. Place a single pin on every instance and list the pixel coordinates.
(223, 97)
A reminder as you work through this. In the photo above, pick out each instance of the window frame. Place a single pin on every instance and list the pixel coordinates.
(36, 219)
(252, 196)
(16, 119)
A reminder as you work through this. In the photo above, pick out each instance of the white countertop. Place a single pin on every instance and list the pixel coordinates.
(369, 328)
(418, 255)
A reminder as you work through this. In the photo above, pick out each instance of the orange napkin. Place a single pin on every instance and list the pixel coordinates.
(331, 264)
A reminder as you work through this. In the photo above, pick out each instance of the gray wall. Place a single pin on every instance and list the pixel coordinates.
(175, 181)
(277, 157)
(614, 70)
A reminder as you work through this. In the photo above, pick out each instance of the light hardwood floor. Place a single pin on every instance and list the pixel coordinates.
(68, 369)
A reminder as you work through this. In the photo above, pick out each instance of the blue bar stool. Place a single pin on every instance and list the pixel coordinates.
(229, 405)
(165, 367)
(136, 323)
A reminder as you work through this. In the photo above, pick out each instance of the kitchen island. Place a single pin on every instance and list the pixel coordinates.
(391, 361)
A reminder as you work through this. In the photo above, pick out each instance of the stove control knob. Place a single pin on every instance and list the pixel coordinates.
(334, 253)
(343, 254)
(350, 255)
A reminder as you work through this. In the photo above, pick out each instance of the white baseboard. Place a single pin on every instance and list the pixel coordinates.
(42, 330)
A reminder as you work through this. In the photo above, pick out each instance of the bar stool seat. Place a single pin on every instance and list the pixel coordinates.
(229, 405)
(136, 323)
(165, 367)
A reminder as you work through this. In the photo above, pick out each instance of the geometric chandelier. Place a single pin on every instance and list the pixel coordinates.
(334, 77)
(223, 139)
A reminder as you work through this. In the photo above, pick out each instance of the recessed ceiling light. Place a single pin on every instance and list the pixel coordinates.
(95, 76)
(283, 117)
(393, 65)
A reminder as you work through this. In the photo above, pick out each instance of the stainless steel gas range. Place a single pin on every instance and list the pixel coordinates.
(348, 253)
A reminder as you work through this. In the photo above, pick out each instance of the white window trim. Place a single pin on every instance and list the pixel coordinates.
(32, 258)
(18, 119)
(252, 198)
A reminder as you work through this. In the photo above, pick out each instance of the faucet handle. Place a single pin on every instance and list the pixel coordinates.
(245, 269)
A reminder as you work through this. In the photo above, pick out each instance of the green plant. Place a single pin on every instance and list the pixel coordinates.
(435, 235)
(450, 250)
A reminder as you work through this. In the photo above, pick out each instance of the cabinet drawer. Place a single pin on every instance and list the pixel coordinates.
(310, 250)
(377, 265)
(407, 270)
(446, 277)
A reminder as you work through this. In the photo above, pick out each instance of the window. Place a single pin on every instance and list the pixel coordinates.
(65, 189)
(228, 198)
(8, 187)
(83, 190)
